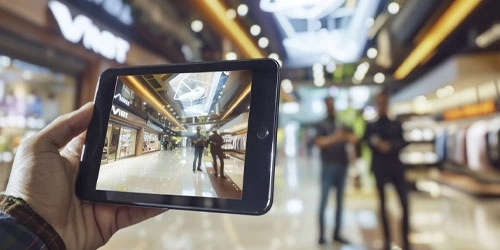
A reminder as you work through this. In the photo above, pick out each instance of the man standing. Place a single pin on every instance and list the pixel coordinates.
(199, 145)
(216, 142)
(332, 139)
(385, 138)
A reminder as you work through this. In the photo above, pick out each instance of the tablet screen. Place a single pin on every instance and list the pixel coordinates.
(177, 134)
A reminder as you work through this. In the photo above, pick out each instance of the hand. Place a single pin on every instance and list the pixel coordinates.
(384, 146)
(44, 174)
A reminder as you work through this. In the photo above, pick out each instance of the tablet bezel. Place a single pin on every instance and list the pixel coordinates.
(258, 178)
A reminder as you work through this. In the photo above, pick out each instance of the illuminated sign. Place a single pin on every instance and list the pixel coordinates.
(82, 29)
(122, 99)
(117, 9)
(119, 112)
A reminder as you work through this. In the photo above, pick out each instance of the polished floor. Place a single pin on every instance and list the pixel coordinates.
(167, 172)
(441, 218)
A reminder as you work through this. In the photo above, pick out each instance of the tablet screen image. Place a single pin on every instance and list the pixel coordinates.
(180, 134)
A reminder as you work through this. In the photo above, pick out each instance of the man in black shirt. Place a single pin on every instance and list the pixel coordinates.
(385, 138)
(216, 142)
(332, 139)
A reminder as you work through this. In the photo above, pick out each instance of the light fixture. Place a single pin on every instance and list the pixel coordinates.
(231, 55)
(27, 75)
(379, 78)
(370, 22)
(360, 72)
(5, 61)
(197, 25)
(372, 53)
(231, 14)
(393, 8)
(255, 30)
(143, 92)
(242, 10)
(447, 22)
(263, 42)
(287, 86)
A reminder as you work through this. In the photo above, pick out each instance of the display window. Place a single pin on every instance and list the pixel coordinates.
(120, 142)
(127, 143)
(151, 142)
(31, 96)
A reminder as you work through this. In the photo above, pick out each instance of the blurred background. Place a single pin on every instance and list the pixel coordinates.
(439, 60)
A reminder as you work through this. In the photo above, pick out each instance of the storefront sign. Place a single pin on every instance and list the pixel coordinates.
(122, 99)
(82, 29)
(119, 112)
(116, 8)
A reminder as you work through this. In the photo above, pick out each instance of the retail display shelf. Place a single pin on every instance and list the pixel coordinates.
(469, 185)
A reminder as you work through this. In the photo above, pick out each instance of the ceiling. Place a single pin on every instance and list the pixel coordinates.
(183, 100)
(336, 34)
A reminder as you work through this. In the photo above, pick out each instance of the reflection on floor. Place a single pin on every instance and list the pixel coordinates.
(444, 220)
(167, 172)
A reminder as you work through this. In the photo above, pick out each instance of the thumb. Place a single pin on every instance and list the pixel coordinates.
(66, 127)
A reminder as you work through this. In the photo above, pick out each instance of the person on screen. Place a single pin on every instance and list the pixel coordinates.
(40, 210)
(332, 139)
(216, 142)
(385, 139)
(199, 144)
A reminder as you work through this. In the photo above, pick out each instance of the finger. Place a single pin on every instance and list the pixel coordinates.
(73, 150)
(68, 126)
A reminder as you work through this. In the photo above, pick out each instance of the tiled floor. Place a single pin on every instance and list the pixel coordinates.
(447, 219)
(166, 172)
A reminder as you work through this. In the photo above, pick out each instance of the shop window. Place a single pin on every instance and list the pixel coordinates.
(31, 96)
(151, 142)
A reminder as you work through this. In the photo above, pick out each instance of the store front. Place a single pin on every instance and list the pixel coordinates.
(46, 70)
(151, 142)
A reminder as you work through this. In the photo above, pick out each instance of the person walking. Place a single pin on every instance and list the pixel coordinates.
(199, 144)
(385, 139)
(216, 142)
(332, 139)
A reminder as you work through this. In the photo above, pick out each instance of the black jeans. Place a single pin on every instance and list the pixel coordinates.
(397, 178)
(220, 155)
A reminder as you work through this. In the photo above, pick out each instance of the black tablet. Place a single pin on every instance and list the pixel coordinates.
(159, 136)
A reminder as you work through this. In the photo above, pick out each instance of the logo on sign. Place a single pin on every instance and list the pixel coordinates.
(119, 112)
(82, 29)
(122, 99)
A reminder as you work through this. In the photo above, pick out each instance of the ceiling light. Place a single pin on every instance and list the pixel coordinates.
(446, 23)
(5, 61)
(242, 10)
(370, 22)
(27, 75)
(489, 36)
(372, 53)
(276, 57)
(255, 30)
(197, 26)
(231, 13)
(287, 86)
(331, 66)
(361, 71)
(320, 82)
(393, 8)
(263, 42)
(231, 56)
(379, 78)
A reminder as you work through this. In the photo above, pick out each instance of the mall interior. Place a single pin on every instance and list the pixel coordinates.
(438, 60)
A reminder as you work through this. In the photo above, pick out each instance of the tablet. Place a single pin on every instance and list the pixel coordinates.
(198, 136)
